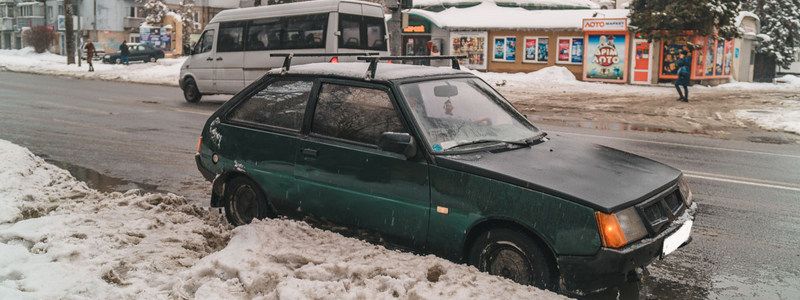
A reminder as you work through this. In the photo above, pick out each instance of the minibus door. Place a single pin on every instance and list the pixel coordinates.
(229, 59)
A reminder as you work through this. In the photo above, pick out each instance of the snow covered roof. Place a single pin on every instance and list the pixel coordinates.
(384, 72)
(745, 14)
(541, 4)
(490, 15)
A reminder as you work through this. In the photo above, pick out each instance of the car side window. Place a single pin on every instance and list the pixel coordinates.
(205, 43)
(355, 113)
(280, 104)
(231, 38)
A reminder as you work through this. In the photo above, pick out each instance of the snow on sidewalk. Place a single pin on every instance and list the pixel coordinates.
(61, 239)
(165, 71)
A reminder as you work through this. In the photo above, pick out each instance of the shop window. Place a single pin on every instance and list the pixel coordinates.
(505, 48)
(537, 50)
(570, 50)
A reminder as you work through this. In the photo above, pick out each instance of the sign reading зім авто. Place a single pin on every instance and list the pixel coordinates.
(620, 24)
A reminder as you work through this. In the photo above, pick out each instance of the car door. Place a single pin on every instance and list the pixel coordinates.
(261, 134)
(229, 60)
(201, 62)
(343, 176)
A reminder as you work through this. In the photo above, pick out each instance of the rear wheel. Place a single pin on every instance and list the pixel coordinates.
(117, 61)
(244, 201)
(512, 254)
(190, 91)
(153, 59)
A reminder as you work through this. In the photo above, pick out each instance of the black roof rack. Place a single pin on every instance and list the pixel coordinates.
(373, 61)
(287, 61)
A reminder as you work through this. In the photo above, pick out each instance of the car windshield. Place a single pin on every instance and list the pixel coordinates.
(461, 113)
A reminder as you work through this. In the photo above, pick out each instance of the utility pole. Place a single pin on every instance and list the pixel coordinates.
(394, 26)
(70, 32)
(94, 19)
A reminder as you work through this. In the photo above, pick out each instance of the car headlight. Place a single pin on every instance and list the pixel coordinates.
(107, 56)
(621, 228)
(685, 191)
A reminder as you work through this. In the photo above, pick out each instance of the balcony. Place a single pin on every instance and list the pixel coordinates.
(132, 22)
(6, 24)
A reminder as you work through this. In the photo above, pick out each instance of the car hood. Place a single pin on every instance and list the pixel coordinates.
(600, 177)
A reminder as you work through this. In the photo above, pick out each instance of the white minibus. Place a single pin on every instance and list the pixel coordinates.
(234, 48)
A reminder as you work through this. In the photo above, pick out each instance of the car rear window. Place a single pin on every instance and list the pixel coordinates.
(355, 114)
(280, 104)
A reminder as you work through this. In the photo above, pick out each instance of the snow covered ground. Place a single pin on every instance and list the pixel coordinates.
(61, 239)
(164, 71)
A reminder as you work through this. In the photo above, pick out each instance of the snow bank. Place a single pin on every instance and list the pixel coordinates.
(60, 239)
(165, 71)
(786, 83)
(785, 119)
(289, 259)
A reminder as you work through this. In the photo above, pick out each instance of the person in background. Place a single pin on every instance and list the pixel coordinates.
(89, 47)
(124, 52)
(683, 77)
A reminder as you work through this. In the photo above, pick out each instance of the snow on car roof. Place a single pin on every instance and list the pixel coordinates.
(384, 72)
(490, 15)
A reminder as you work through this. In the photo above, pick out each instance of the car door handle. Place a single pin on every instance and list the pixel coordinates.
(219, 58)
(209, 59)
(310, 153)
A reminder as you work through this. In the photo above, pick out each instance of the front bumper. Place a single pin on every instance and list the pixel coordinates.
(207, 174)
(581, 275)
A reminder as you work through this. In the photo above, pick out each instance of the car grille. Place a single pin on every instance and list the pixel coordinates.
(660, 211)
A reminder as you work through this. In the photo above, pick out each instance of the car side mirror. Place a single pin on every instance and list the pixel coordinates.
(397, 142)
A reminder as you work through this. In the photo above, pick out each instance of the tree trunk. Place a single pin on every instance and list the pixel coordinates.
(70, 34)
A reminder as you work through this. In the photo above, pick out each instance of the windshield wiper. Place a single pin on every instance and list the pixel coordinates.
(522, 143)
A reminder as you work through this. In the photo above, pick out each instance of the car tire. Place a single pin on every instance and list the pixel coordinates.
(153, 59)
(117, 61)
(190, 91)
(514, 255)
(244, 201)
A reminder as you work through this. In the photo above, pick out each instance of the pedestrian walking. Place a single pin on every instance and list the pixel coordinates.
(124, 52)
(683, 77)
(89, 47)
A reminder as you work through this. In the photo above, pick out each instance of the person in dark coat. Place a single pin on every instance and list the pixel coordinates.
(124, 52)
(684, 74)
(89, 54)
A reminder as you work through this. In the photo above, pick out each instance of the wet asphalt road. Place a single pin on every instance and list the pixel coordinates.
(746, 237)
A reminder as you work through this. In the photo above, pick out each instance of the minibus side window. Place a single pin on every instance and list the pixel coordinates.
(350, 27)
(231, 37)
(205, 43)
(376, 31)
(264, 34)
(360, 32)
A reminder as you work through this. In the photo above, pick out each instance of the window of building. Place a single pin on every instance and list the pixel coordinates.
(355, 114)
(134, 38)
(231, 37)
(537, 49)
(570, 50)
(281, 104)
(505, 49)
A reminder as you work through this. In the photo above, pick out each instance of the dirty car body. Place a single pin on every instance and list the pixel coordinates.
(436, 160)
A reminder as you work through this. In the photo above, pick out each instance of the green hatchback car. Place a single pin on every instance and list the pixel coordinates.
(436, 160)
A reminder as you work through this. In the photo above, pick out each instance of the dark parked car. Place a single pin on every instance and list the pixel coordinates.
(138, 52)
(436, 160)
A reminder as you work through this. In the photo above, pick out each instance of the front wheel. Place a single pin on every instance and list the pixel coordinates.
(244, 201)
(190, 91)
(512, 254)
(153, 59)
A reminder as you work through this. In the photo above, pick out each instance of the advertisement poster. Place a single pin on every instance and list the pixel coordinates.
(719, 59)
(511, 49)
(471, 44)
(499, 48)
(710, 47)
(505, 48)
(728, 58)
(577, 50)
(543, 50)
(531, 47)
(563, 50)
(671, 55)
(606, 54)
